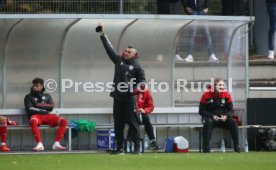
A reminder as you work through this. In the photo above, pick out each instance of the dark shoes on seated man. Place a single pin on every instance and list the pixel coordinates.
(236, 149)
(121, 152)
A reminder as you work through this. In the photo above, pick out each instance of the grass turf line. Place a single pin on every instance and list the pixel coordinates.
(149, 161)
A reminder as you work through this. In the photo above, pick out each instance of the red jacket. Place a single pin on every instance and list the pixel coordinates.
(212, 104)
(145, 101)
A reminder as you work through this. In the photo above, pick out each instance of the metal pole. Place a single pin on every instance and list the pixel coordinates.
(4, 65)
(121, 6)
(251, 6)
(61, 61)
(247, 67)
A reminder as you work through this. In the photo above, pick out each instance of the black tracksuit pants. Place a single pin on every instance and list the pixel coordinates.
(209, 124)
(148, 127)
(124, 112)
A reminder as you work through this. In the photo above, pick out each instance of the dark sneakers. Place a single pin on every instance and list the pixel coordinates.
(117, 152)
(153, 145)
(136, 152)
(206, 151)
(237, 149)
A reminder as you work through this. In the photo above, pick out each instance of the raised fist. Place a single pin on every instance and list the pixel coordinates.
(99, 28)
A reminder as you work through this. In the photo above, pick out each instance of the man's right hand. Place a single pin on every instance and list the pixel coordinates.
(11, 122)
(205, 10)
(189, 10)
(216, 118)
(222, 118)
(140, 110)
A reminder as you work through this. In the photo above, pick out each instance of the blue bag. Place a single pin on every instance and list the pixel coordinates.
(169, 145)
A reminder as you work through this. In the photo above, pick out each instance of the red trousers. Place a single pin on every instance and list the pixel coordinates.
(48, 119)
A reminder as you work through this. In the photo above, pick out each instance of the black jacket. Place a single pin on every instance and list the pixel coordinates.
(125, 70)
(210, 104)
(198, 6)
(38, 103)
(270, 1)
(233, 7)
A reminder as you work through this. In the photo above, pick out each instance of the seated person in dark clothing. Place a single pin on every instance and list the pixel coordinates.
(216, 109)
(39, 106)
(145, 106)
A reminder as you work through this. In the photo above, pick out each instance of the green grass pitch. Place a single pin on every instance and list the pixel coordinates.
(147, 161)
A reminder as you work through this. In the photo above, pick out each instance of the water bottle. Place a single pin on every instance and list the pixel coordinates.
(140, 118)
(245, 146)
(131, 146)
(222, 146)
(146, 141)
(128, 146)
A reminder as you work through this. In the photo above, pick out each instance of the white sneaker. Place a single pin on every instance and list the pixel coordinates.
(57, 146)
(39, 147)
(178, 58)
(213, 58)
(189, 59)
(271, 54)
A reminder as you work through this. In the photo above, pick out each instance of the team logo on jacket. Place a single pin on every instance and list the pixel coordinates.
(223, 101)
(130, 67)
(43, 97)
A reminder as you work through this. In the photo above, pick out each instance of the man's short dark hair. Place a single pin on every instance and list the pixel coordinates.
(218, 80)
(133, 47)
(130, 46)
(38, 81)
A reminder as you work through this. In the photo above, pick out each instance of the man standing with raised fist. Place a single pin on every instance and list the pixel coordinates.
(128, 75)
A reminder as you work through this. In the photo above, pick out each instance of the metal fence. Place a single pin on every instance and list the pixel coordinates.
(77, 6)
(91, 7)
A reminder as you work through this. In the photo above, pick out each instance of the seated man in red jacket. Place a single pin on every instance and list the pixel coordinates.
(38, 106)
(4, 122)
(145, 106)
(216, 109)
